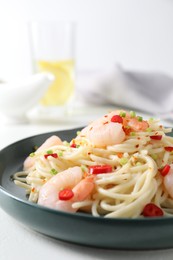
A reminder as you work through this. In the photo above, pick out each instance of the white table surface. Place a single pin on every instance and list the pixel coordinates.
(19, 242)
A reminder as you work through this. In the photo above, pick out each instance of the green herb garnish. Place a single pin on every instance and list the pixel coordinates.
(123, 161)
(138, 164)
(132, 114)
(53, 171)
(32, 154)
(140, 118)
(122, 114)
(154, 156)
(60, 153)
(132, 133)
(49, 152)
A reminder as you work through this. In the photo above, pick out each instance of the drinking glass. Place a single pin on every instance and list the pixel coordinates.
(53, 50)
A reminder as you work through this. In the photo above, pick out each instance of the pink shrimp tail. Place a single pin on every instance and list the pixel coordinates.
(84, 188)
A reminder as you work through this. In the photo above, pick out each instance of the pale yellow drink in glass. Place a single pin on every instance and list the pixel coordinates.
(63, 86)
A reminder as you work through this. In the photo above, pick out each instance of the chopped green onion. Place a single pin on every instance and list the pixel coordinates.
(60, 153)
(151, 119)
(138, 164)
(122, 114)
(140, 118)
(32, 154)
(78, 132)
(132, 114)
(132, 133)
(53, 171)
(154, 156)
(123, 161)
(84, 168)
(149, 129)
(49, 152)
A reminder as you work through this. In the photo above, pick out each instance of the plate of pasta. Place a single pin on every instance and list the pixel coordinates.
(106, 185)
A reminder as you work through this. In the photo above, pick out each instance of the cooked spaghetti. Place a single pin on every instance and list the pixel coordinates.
(121, 164)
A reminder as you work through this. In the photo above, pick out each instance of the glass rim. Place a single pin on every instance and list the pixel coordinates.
(52, 21)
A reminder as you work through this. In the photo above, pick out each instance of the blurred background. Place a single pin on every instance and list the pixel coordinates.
(137, 34)
(123, 54)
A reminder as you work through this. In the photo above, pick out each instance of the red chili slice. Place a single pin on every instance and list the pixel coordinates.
(117, 119)
(165, 170)
(169, 148)
(151, 210)
(66, 194)
(96, 169)
(54, 155)
(73, 145)
(156, 137)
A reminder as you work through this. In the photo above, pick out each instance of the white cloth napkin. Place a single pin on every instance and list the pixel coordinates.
(151, 92)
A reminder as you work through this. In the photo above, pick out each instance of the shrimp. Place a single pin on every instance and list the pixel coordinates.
(51, 141)
(168, 182)
(104, 132)
(70, 178)
(136, 125)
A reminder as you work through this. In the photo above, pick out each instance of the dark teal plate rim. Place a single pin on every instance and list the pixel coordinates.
(17, 207)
